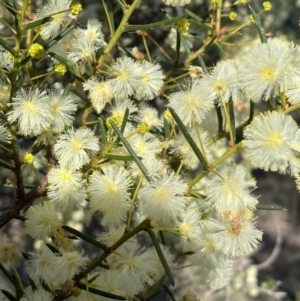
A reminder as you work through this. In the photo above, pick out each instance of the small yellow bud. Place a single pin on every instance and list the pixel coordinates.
(251, 18)
(75, 8)
(142, 128)
(232, 16)
(267, 5)
(209, 245)
(183, 26)
(167, 114)
(60, 69)
(116, 120)
(28, 158)
(36, 51)
(242, 1)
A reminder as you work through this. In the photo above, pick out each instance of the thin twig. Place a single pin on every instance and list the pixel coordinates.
(29, 197)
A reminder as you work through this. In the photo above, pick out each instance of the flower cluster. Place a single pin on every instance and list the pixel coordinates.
(127, 146)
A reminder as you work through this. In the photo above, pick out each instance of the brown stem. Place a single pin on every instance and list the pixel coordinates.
(19, 204)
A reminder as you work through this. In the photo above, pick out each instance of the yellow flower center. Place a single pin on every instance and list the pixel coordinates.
(77, 144)
(65, 175)
(142, 128)
(273, 140)
(209, 245)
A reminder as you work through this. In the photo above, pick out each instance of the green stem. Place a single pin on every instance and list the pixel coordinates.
(160, 48)
(227, 154)
(8, 26)
(132, 202)
(6, 149)
(111, 28)
(195, 54)
(20, 284)
(46, 78)
(119, 31)
(229, 123)
(218, 17)
(283, 100)
(292, 108)
(147, 49)
(42, 75)
(24, 8)
(7, 164)
(18, 171)
(200, 142)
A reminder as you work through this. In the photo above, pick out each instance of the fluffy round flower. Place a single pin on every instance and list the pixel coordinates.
(92, 34)
(6, 60)
(37, 295)
(69, 264)
(149, 117)
(150, 82)
(220, 276)
(58, 10)
(193, 104)
(127, 75)
(117, 111)
(144, 145)
(268, 68)
(81, 51)
(100, 93)
(52, 269)
(236, 234)
(153, 165)
(163, 198)
(9, 252)
(106, 281)
(109, 194)
(63, 108)
(4, 133)
(74, 148)
(43, 220)
(135, 267)
(172, 40)
(5, 89)
(66, 187)
(205, 253)
(190, 230)
(223, 82)
(31, 108)
(267, 141)
(41, 265)
(231, 189)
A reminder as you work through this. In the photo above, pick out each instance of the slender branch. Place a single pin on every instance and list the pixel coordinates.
(28, 198)
(119, 31)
